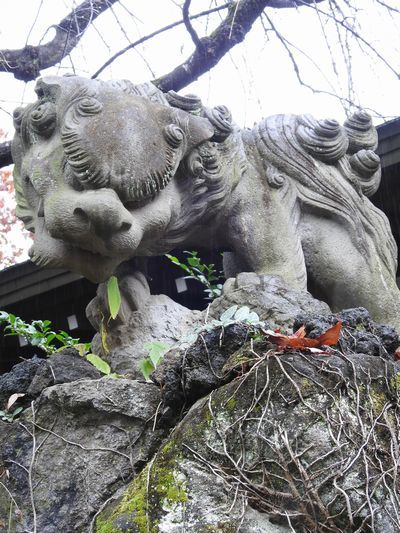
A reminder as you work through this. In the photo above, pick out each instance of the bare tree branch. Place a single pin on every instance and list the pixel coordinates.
(233, 29)
(26, 63)
(154, 33)
(188, 24)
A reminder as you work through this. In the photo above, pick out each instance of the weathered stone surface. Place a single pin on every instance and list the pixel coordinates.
(143, 318)
(270, 297)
(306, 439)
(189, 374)
(160, 319)
(62, 367)
(79, 443)
(18, 379)
(360, 334)
(288, 197)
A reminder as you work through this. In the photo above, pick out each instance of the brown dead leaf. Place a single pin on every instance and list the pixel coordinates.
(299, 341)
(13, 398)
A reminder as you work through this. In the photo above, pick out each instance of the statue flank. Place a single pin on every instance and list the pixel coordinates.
(105, 171)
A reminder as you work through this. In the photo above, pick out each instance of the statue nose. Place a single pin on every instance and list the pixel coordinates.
(105, 219)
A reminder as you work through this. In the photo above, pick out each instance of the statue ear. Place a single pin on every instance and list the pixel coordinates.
(197, 129)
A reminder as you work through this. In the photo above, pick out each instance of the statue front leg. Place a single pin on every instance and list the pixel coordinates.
(345, 276)
(264, 238)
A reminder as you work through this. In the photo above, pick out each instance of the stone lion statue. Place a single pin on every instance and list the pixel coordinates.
(105, 171)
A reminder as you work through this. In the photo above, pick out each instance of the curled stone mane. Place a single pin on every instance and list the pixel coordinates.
(203, 194)
(333, 188)
(203, 185)
(85, 168)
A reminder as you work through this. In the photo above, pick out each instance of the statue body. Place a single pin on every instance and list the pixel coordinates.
(105, 171)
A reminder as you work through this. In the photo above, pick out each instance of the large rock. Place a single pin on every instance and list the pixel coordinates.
(188, 373)
(62, 367)
(72, 450)
(18, 379)
(310, 443)
(142, 318)
(269, 296)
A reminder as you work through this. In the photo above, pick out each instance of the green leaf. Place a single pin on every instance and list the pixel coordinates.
(173, 259)
(242, 313)
(193, 261)
(114, 296)
(147, 368)
(81, 348)
(156, 351)
(99, 363)
(50, 337)
(253, 318)
(229, 313)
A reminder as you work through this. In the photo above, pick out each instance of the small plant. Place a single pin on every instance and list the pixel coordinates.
(9, 416)
(202, 272)
(101, 365)
(232, 315)
(156, 350)
(236, 314)
(6, 414)
(114, 296)
(37, 333)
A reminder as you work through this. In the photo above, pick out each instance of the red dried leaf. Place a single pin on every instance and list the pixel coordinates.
(300, 333)
(331, 335)
(299, 341)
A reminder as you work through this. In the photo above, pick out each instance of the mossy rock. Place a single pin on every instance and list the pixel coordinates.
(298, 435)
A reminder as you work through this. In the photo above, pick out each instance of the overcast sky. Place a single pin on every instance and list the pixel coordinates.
(256, 79)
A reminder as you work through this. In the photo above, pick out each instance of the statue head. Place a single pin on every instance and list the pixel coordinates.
(94, 163)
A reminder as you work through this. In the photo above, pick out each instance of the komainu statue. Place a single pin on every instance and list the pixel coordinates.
(105, 171)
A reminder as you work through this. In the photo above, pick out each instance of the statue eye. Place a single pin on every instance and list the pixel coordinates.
(43, 119)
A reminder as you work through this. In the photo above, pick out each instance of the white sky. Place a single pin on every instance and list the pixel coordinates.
(256, 79)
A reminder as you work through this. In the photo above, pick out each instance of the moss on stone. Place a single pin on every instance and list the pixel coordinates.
(106, 526)
(378, 400)
(231, 403)
(395, 383)
(156, 488)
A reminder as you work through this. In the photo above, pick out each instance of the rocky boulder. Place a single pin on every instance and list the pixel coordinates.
(269, 296)
(76, 445)
(299, 443)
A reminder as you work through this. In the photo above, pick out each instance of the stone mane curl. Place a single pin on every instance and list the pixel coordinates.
(294, 144)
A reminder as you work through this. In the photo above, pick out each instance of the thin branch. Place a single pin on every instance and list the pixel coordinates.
(233, 29)
(357, 35)
(26, 63)
(154, 34)
(189, 27)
